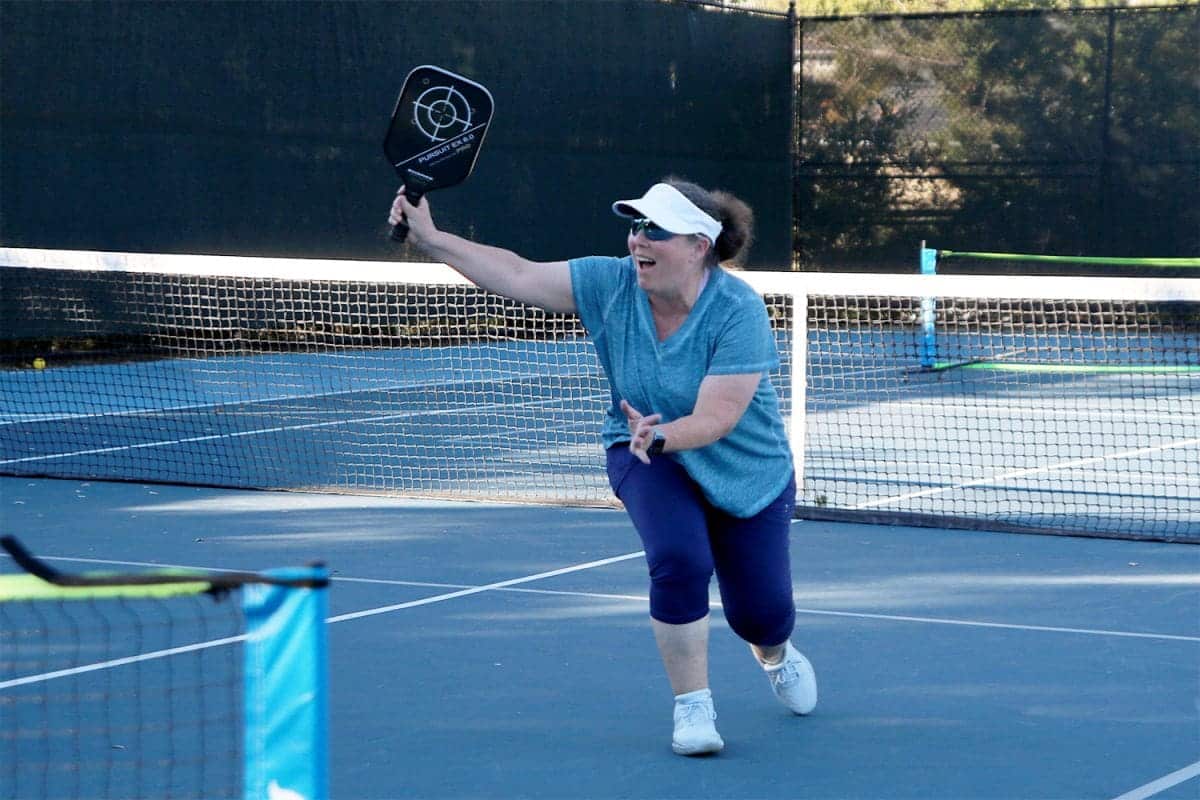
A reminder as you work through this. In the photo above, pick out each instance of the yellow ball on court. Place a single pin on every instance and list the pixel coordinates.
(39, 363)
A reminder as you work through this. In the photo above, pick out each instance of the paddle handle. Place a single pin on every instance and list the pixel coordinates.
(414, 190)
(400, 229)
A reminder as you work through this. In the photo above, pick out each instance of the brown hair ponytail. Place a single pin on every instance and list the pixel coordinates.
(736, 218)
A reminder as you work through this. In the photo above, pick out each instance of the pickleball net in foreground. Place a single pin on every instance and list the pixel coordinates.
(1064, 405)
(162, 684)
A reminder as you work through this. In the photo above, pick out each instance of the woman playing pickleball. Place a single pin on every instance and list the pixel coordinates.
(695, 443)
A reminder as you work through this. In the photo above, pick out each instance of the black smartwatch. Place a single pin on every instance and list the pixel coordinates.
(657, 445)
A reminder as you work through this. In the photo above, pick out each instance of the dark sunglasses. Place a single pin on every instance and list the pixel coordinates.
(649, 229)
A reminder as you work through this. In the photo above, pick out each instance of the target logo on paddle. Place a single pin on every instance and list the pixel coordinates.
(442, 112)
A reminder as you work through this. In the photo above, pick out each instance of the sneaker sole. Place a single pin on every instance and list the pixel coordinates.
(697, 750)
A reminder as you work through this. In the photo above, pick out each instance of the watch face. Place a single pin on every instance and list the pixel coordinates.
(657, 445)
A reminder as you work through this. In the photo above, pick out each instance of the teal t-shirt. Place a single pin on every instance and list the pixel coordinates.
(726, 333)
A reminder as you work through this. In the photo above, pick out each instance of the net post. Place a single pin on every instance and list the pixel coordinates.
(286, 691)
(799, 385)
(928, 348)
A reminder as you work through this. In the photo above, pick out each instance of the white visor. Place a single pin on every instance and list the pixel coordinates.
(665, 206)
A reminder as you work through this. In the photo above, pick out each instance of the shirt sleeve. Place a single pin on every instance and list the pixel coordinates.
(745, 343)
(594, 280)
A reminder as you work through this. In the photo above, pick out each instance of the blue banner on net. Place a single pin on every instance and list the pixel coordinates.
(286, 702)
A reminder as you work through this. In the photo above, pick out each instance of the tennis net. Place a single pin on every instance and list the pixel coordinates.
(1064, 405)
(159, 684)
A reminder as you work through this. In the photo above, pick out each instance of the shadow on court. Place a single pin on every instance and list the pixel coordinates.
(499, 651)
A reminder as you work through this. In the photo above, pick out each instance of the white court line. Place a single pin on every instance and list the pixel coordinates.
(817, 612)
(1162, 784)
(507, 585)
(477, 589)
(120, 662)
(1001, 625)
(463, 590)
(1021, 473)
(280, 429)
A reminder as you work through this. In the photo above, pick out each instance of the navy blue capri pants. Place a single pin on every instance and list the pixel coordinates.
(687, 540)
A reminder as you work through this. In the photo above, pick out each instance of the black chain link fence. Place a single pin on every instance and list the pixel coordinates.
(1056, 132)
(257, 132)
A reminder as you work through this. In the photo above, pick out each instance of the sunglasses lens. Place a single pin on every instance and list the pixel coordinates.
(649, 230)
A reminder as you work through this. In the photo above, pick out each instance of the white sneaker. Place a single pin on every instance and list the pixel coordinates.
(793, 681)
(695, 733)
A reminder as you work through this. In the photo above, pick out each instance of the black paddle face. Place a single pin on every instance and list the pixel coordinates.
(436, 132)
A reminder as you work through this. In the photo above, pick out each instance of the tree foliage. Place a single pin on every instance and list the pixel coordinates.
(1075, 133)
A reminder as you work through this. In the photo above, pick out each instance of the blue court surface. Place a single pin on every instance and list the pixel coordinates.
(503, 651)
(1099, 451)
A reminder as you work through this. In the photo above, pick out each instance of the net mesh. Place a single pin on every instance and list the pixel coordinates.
(1061, 415)
(1061, 404)
(113, 698)
(327, 384)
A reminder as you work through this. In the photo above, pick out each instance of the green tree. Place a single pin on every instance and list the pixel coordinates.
(1042, 133)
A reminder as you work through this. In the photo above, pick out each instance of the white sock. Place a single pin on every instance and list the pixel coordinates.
(769, 665)
(698, 696)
